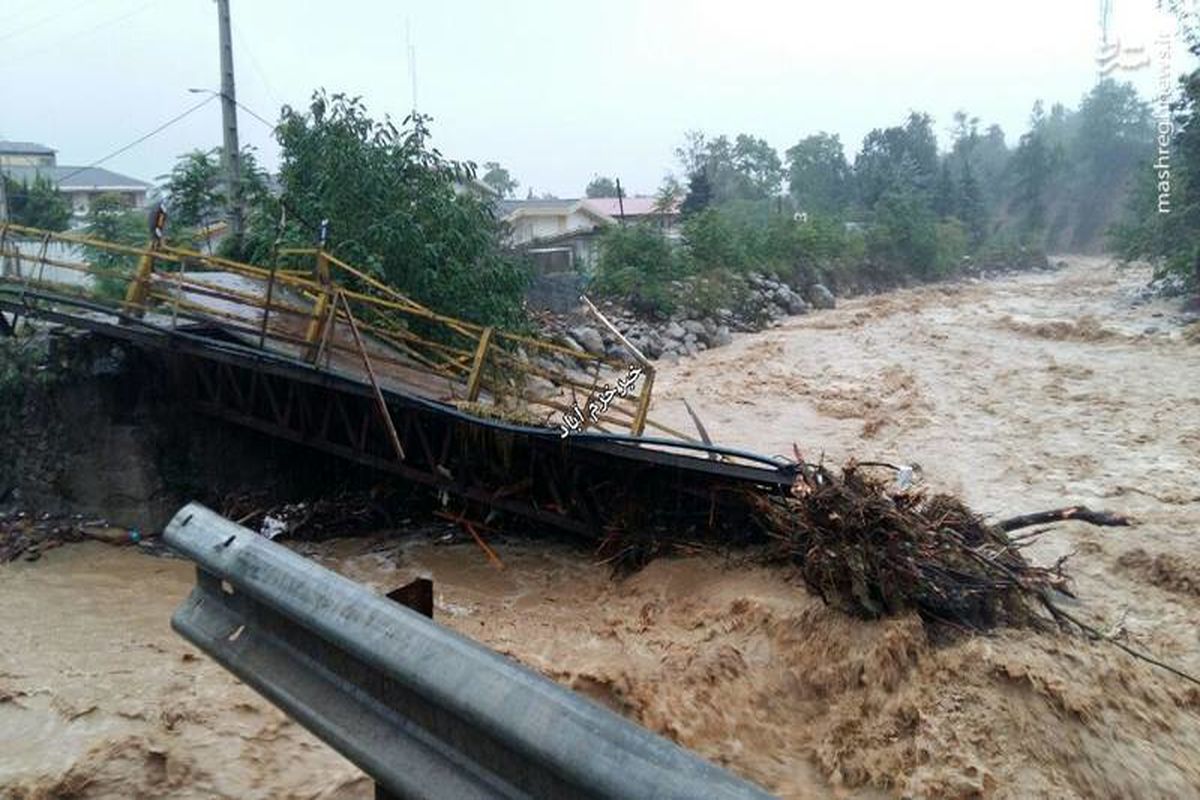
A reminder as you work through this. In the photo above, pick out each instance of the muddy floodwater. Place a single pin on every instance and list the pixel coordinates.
(1021, 394)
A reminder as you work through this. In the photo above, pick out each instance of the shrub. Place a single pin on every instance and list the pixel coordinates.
(111, 221)
(394, 208)
(636, 261)
(715, 242)
(903, 237)
(953, 245)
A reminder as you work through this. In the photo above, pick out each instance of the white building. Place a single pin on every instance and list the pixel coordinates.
(25, 162)
(561, 235)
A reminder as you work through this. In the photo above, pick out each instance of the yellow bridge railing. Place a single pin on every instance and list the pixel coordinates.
(312, 305)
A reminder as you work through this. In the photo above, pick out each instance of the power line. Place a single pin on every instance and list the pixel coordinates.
(42, 21)
(19, 11)
(80, 34)
(239, 104)
(254, 63)
(142, 138)
(251, 112)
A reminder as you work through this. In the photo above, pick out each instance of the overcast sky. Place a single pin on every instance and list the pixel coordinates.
(555, 91)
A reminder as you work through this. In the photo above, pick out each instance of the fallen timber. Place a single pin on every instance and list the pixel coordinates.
(426, 712)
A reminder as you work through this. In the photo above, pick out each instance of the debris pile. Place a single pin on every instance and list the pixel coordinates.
(873, 543)
(874, 548)
(25, 534)
(341, 514)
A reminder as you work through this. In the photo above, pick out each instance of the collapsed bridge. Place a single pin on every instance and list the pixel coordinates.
(315, 351)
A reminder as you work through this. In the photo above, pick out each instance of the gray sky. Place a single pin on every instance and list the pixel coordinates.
(555, 91)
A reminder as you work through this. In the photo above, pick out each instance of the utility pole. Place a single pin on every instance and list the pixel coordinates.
(232, 154)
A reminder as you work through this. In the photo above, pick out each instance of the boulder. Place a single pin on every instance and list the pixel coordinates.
(653, 344)
(589, 338)
(821, 297)
(693, 327)
(794, 303)
(570, 343)
(674, 331)
(722, 336)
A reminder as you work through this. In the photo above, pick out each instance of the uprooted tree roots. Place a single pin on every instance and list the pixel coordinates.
(873, 549)
(869, 544)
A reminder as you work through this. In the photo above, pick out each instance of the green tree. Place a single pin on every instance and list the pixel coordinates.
(393, 209)
(819, 177)
(110, 219)
(746, 168)
(636, 261)
(715, 242)
(693, 153)
(194, 189)
(1032, 172)
(903, 236)
(601, 186)
(757, 166)
(38, 204)
(945, 193)
(900, 159)
(666, 199)
(972, 210)
(990, 160)
(498, 179)
(699, 194)
(1115, 133)
(1162, 217)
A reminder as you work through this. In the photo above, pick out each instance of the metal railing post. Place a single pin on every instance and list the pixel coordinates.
(476, 379)
(643, 409)
(139, 287)
(314, 333)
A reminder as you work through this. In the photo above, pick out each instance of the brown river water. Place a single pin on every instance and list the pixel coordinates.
(1021, 394)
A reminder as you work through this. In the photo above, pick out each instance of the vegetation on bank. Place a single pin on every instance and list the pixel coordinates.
(1162, 219)
(36, 203)
(23, 364)
(901, 211)
(391, 203)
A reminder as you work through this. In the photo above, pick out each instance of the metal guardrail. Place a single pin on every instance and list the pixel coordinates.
(424, 711)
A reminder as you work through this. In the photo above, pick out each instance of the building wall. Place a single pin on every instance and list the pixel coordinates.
(528, 228)
(81, 200)
(25, 160)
